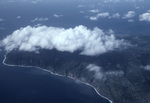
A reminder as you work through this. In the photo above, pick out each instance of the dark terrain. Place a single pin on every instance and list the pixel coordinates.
(132, 85)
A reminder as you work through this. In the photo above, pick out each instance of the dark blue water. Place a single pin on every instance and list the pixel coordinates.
(32, 85)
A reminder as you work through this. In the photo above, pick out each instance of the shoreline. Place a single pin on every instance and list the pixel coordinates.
(56, 75)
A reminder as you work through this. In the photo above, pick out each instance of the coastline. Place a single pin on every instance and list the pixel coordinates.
(57, 75)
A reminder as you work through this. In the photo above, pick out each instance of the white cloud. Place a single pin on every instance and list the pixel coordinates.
(99, 15)
(145, 16)
(147, 67)
(129, 15)
(89, 42)
(39, 19)
(57, 16)
(94, 11)
(98, 74)
(18, 17)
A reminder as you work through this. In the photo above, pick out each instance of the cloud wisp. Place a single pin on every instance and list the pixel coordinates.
(89, 42)
(1, 19)
(99, 15)
(94, 11)
(115, 73)
(130, 20)
(116, 15)
(98, 74)
(114, 1)
(39, 19)
(147, 67)
(129, 15)
(21, 1)
(2, 28)
(18, 17)
(57, 16)
(102, 75)
(81, 6)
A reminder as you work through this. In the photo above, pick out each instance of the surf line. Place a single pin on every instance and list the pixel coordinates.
(57, 75)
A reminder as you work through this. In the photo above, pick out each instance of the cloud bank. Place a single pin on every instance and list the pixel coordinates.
(89, 42)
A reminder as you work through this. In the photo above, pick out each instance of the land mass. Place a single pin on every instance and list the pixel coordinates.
(124, 73)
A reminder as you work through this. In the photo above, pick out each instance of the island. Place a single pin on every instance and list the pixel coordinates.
(121, 75)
